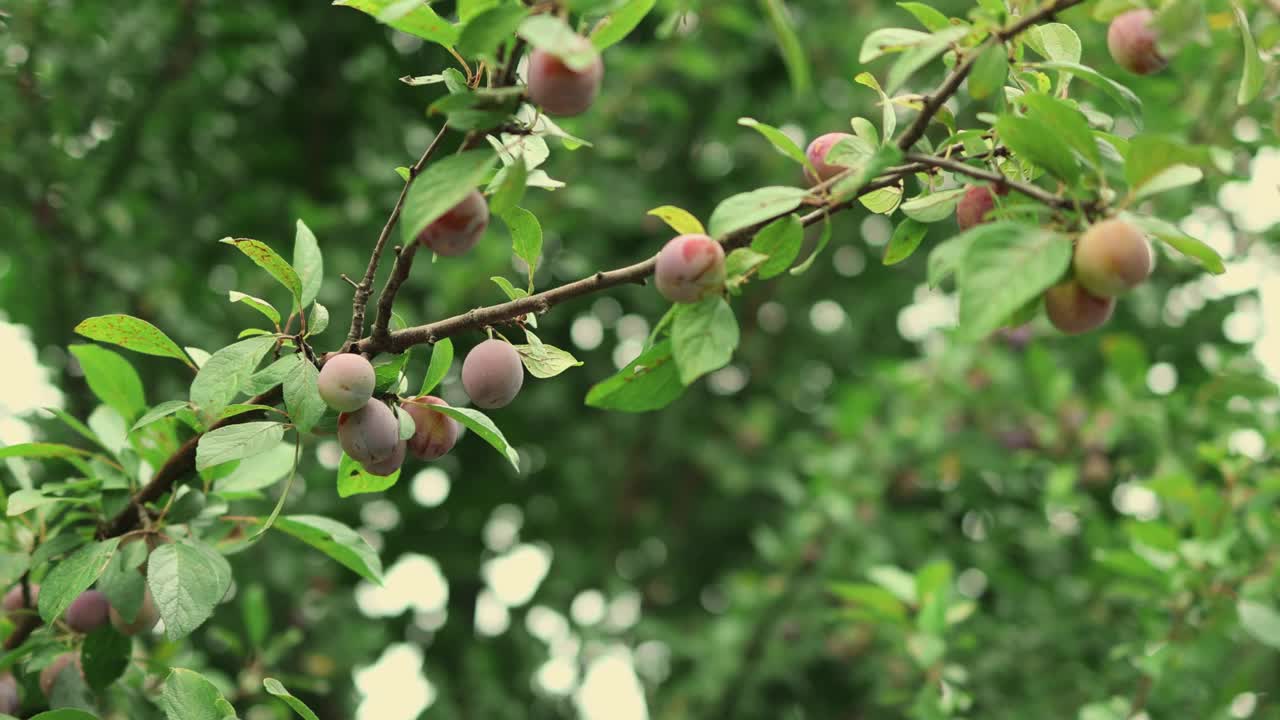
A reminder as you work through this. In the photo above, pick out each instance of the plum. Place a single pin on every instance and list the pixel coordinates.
(88, 611)
(10, 702)
(147, 617)
(1112, 257)
(690, 268)
(978, 201)
(492, 374)
(817, 154)
(13, 600)
(390, 463)
(434, 433)
(459, 229)
(346, 382)
(1134, 42)
(369, 434)
(559, 89)
(49, 675)
(1073, 310)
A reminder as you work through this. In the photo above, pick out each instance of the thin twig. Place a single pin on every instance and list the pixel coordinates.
(935, 100)
(387, 299)
(998, 179)
(363, 290)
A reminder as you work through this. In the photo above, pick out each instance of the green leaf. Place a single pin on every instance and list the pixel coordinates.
(889, 114)
(264, 257)
(680, 220)
(187, 581)
(256, 303)
(1170, 235)
(1149, 156)
(989, 71)
(441, 186)
(387, 369)
(121, 581)
(1055, 41)
(484, 33)
(751, 208)
(933, 207)
(740, 262)
(890, 40)
(72, 576)
(255, 613)
(226, 372)
(1123, 96)
(896, 580)
(1004, 271)
(260, 471)
(526, 237)
(704, 338)
(515, 180)
(546, 361)
(550, 34)
(481, 425)
(1255, 73)
(25, 500)
(112, 379)
(308, 262)
(235, 442)
(618, 24)
(789, 44)
(1036, 142)
(187, 695)
(319, 319)
(823, 240)
(353, 479)
(1068, 124)
(781, 142)
(441, 361)
(337, 541)
(919, 56)
(1260, 621)
(906, 238)
(876, 602)
(650, 382)
(131, 333)
(274, 687)
(302, 395)
(930, 18)
(63, 714)
(40, 450)
(780, 240)
(420, 20)
(105, 656)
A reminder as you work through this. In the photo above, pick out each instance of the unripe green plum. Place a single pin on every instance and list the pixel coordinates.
(346, 382)
(49, 675)
(88, 611)
(13, 600)
(389, 464)
(10, 702)
(817, 154)
(146, 619)
(690, 268)
(369, 434)
(1134, 42)
(434, 433)
(974, 206)
(559, 89)
(492, 374)
(1073, 310)
(1112, 257)
(458, 230)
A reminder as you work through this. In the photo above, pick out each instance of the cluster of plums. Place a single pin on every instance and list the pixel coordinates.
(368, 429)
(88, 612)
(556, 88)
(1111, 258)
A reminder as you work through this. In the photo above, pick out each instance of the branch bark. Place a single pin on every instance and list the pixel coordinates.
(364, 289)
(935, 100)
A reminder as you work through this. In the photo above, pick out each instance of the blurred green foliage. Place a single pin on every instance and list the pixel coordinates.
(860, 518)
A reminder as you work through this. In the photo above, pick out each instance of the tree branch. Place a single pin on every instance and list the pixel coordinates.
(935, 100)
(387, 298)
(365, 287)
(1032, 191)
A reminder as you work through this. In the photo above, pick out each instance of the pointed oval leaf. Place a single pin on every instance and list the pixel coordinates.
(131, 333)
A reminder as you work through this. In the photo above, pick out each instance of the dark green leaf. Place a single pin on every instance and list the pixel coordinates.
(481, 425)
(274, 687)
(750, 208)
(353, 479)
(131, 333)
(112, 379)
(906, 238)
(618, 24)
(416, 19)
(989, 72)
(264, 257)
(704, 338)
(105, 656)
(187, 695)
(335, 540)
(225, 372)
(187, 580)
(650, 382)
(441, 361)
(780, 240)
(308, 262)
(235, 442)
(75, 574)
(441, 186)
(1003, 271)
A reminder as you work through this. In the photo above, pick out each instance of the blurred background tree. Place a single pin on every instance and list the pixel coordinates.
(860, 517)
